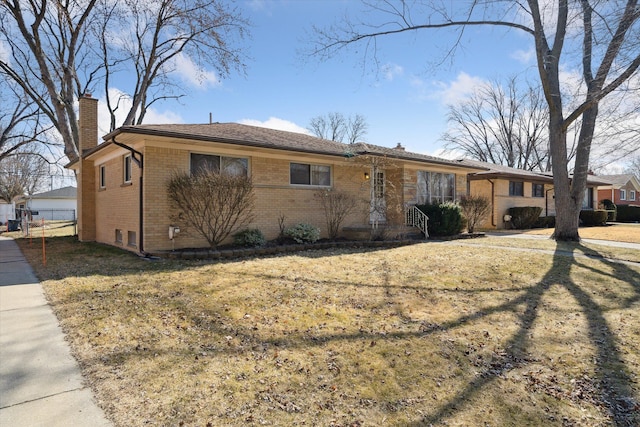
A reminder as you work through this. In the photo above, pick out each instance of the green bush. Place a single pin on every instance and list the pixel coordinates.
(251, 237)
(545, 222)
(608, 204)
(445, 219)
(628, 213)
(593, 217)
(524, 217)
(303, 233)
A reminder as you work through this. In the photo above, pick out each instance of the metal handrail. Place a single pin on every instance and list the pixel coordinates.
(414, 217)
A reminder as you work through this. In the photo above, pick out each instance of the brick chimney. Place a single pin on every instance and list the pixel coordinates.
(87, 122)
(86, 174)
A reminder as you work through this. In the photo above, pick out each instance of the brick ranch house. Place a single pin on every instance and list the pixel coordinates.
(509, 187)
(122, 196)
(621, 189)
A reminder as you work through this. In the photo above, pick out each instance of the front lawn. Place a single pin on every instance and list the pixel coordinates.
(433, 333)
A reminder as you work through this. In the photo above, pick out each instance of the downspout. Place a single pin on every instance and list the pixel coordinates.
(493, 203)
(140, 162)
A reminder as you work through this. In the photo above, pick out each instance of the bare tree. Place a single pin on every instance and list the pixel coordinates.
(356, 129)
(60, 50)
(335, 127)
(21, 122)
(602, 38)
(501, 125)
(215, 205)
(164, 32)
(633, 167)
(21, 173)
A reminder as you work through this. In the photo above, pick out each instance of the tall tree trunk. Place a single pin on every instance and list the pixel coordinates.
(567, 216)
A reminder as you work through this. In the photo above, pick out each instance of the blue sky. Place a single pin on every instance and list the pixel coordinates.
(403, 102)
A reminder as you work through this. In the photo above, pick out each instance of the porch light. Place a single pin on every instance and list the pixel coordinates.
(366, 175)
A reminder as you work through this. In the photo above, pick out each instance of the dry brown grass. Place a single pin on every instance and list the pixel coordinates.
(434, 333)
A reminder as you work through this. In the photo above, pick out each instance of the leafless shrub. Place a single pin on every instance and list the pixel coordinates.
(474, 208)
(337, 206)
(213, 204)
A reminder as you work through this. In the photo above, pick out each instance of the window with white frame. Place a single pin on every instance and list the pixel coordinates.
(127, 168)
(234, 166)
(623, 194)
(632, 195)
(308, 174)
(435, 187)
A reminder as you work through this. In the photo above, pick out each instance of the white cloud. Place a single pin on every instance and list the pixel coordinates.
(524, 56)
(391, 71)
(276, 123)
(459, 89)
(4, 53)
(193, 74)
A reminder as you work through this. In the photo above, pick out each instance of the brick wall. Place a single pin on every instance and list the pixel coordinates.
(274, 196)
(117, 204)
(503, 201)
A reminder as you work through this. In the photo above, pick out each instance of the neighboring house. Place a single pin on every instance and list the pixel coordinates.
(508, 187)
(7, 212)
(59, 204)
(122, 198)
(620, 189)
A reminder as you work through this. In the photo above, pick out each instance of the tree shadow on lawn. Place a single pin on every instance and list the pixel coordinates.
(614, 382)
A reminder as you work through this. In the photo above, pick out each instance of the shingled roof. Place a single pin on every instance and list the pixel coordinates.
(240, 134)
(60, 193)
(500, 171)
(617, 180)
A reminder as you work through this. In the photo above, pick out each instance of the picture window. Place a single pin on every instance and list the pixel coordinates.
(435, 187)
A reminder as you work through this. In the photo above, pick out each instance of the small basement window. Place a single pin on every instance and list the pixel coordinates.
(118, 235)
(131, 238)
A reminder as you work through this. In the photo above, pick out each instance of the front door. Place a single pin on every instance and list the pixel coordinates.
(377, 211)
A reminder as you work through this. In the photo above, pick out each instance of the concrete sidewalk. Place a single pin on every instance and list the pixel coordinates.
(40, 382)
(520, 235)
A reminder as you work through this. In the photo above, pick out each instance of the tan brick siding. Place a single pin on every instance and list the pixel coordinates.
(117, 205)
(274, 196)
(502, 201)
